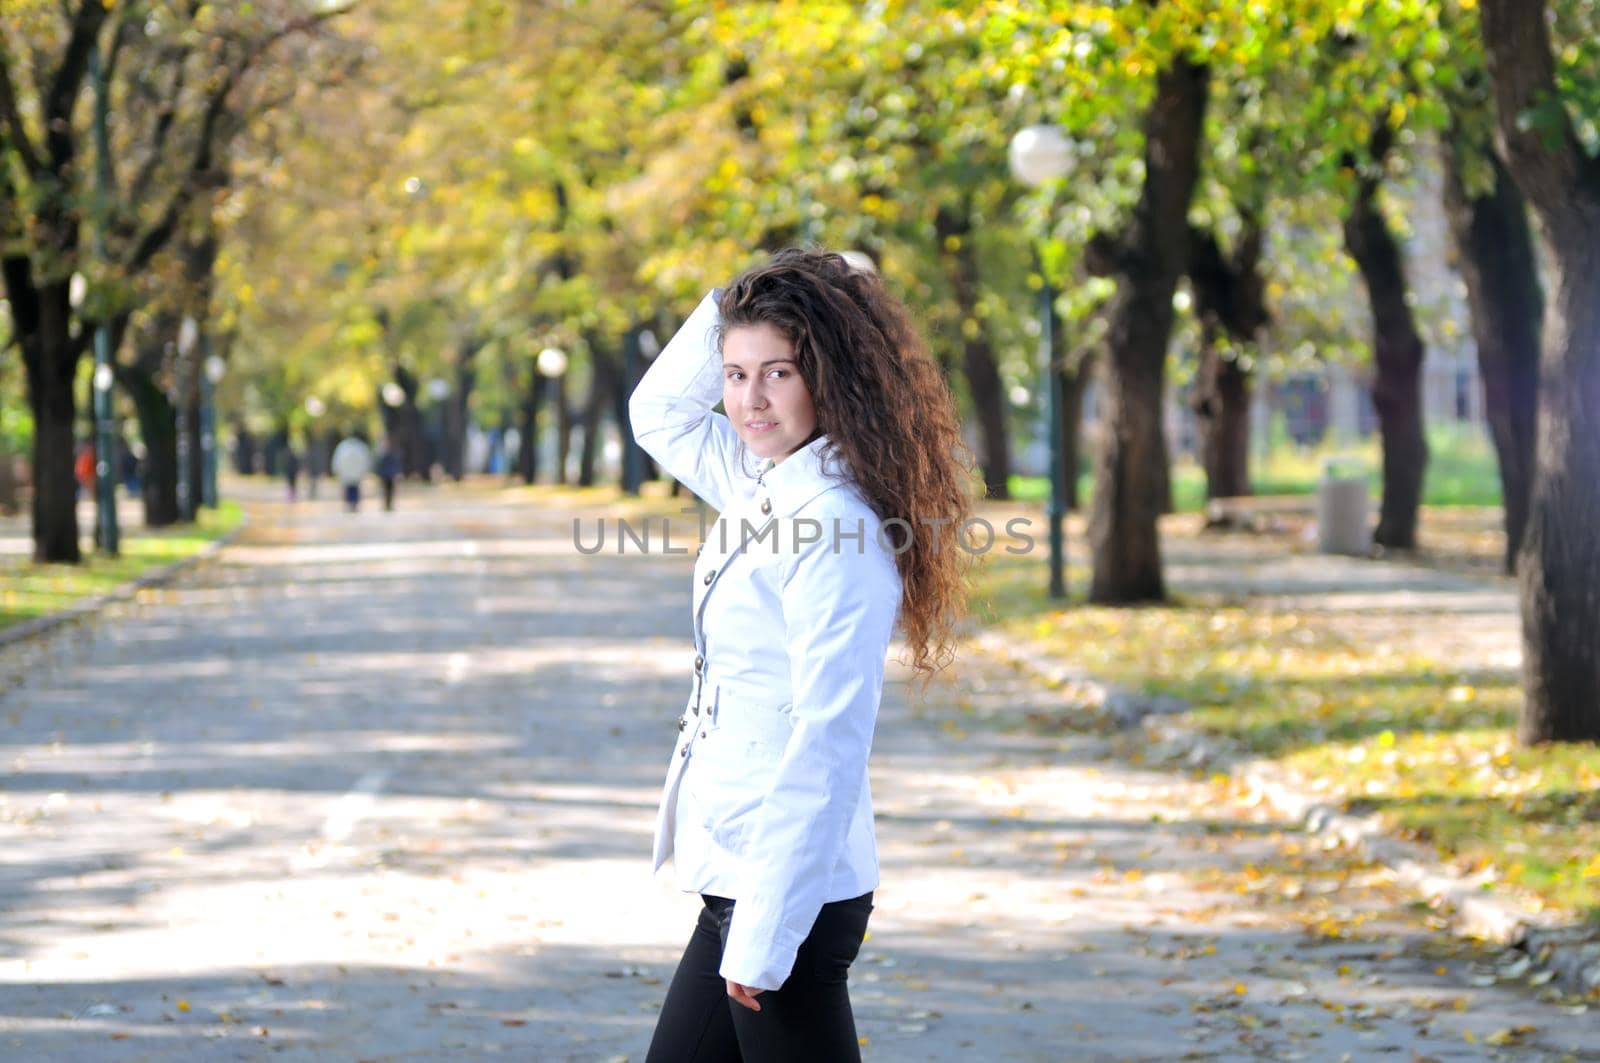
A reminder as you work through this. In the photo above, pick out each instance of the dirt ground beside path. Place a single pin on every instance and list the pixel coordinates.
(381, 787)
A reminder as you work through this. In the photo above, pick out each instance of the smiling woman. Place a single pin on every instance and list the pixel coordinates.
(766, 811)
(769, 404)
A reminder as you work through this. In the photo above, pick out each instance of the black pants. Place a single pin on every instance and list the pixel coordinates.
(807, 1021)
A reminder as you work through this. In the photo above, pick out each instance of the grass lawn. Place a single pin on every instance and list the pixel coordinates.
(1462, 471)
(1426, 742)
(28, 590)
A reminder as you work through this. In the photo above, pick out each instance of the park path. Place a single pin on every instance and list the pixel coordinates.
(380, 787)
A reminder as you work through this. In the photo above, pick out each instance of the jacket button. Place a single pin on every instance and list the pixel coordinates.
(702, 734)
(699, 662)
(766, 506)
(699, 549)
(682, 723)
(684, 752)
(709, 575)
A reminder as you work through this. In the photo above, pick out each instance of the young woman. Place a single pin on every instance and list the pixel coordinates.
(840, 478)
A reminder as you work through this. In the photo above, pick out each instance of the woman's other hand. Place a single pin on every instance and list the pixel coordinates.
(745, 995)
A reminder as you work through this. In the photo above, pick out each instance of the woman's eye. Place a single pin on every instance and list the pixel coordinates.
(777, 374)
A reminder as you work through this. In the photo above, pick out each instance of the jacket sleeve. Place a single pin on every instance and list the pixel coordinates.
(671, 410)
(839, 611)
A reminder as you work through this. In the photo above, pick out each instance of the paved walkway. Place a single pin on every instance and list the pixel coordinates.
(380, 787)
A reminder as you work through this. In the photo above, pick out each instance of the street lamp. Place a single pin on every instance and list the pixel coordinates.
(77, 291)
(1040, 154)
(552, 362)
(552, 365)
(214, 370)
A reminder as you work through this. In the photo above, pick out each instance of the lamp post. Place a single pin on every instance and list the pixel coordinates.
(105, 469)
(214, 370)
(188, 333)
(552, 365)
(1040, 154)
(105, 479)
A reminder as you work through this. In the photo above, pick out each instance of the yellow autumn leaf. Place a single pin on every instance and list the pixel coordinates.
(1510, 1035)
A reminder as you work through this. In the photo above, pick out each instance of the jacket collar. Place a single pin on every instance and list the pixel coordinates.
(801, 476)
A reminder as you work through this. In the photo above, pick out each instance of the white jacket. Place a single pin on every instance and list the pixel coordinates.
(766, 797)
(351, 461)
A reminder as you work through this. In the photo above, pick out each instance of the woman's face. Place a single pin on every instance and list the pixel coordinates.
(763, 392)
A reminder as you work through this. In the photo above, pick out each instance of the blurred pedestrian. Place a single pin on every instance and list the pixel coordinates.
(83, 470)
(291, 471)
(316, 462)
(129, 468)
(388, 473)
(352, 463)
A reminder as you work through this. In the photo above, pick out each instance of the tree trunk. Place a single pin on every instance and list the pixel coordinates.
(456, 412)
(1397, 353)
(602, 380)
(1230, 299)
(954, 229)
(246, 450)
(1559, 566)
(1498, 263)
(195, 458)
(411, 440)
(528, 444)
(51, 356)
(8, 483)
(563, 428)
(1222, 405)
(1148, 260)
(45, 225)
(158, 429)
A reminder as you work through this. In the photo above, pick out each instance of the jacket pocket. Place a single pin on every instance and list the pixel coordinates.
(734, 766)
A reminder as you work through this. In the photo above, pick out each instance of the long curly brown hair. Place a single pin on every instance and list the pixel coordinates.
(887, 411)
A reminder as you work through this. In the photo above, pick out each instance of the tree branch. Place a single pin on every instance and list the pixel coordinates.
(63, 90)
(1534, 131)
(146, 245)
(14, 132)
(158, 137)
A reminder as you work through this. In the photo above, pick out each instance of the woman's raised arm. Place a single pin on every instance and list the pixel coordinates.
(672, 416)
